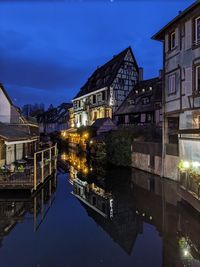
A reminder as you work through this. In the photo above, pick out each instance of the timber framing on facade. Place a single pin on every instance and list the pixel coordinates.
(106, 89)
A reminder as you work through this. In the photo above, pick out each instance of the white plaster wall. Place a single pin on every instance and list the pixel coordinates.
(141, 161)
(5, 108)
(171, 167)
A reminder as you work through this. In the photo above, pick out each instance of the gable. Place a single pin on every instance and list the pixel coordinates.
(5, 106)
(105, 75)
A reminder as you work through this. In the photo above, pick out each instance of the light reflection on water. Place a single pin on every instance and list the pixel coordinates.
(97, 217)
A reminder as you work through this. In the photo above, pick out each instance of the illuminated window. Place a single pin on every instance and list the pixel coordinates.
(172, 40)
(172, 84)
(197, 30)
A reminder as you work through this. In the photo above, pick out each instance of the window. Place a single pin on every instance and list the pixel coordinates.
(94, 99)
(131, 102)
(197, 30)
(197, 80)
(198, 121)
(103, 95)
(172, 84)
(95, 116)
(121, 81)
(172, 40)
(145, 100)
(121, 119)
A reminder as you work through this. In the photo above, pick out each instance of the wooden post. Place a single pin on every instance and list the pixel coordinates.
(50, 161)
(42, 206)
(42, 166)
(35, 171)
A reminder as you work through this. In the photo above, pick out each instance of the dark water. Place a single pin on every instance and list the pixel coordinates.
(113, 218)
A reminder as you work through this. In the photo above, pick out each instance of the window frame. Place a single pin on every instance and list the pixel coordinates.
(170, 91)
(197, 41)
(197, 78)
(94, 97)
(173, 33)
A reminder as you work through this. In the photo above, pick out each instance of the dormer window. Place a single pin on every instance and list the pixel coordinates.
(172, 40)
(197, 30)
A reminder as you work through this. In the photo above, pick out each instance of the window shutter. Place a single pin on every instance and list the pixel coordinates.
(166, 43)
(188, 34)
(188, 81)
(176, 36)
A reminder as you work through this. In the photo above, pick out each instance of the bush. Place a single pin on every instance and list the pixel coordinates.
(118, 148)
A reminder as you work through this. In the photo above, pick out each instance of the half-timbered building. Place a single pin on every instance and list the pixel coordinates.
(106, 89)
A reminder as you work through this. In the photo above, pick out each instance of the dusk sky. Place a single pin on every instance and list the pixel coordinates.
(48, 49)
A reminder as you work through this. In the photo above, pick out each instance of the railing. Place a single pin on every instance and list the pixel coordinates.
(190, 184)
(32, 175)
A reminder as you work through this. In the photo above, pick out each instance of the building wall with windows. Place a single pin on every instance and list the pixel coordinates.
(181, 52)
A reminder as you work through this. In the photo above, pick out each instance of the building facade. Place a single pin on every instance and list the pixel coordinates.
(106, 89)
(143, 106)
(181, 53)
(18, 137)
(55, 119)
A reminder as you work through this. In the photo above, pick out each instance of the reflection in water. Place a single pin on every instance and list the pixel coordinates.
(14, 207)
(124, 201)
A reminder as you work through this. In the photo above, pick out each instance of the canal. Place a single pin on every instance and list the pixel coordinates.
(95, 217)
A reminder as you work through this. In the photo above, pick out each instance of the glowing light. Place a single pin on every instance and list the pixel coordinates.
(91, 142)
(150, 217)
(64, 134)
(195, 164)
(186, 252)
(186, 164)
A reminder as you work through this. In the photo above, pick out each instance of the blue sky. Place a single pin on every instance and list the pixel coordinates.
(49, 48)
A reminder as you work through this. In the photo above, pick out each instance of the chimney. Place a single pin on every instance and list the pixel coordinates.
(141, 73)
(160, 74)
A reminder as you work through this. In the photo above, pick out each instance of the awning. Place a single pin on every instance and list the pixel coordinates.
(20, 142)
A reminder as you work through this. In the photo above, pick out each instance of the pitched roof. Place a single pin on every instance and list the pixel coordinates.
(160, 35)
(100, 122)
(105, 75)
(151, 88)
(13, 133)
(54, 115)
